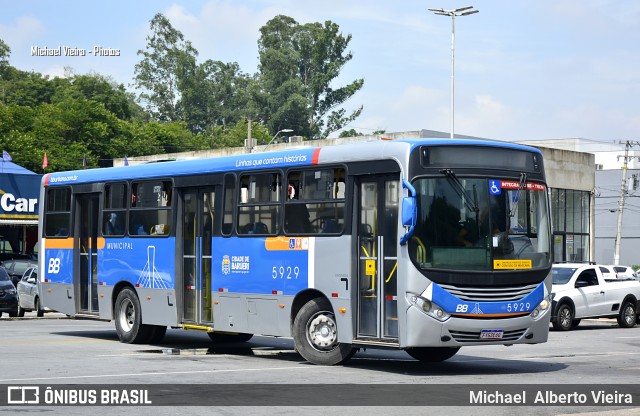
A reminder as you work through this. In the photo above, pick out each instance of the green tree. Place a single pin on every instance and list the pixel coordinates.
(350, 133)
(5, 51)
(167, 57)
(298, 65)
(235, 136)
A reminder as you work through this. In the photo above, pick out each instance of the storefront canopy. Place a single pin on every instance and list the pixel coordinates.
(19, 193)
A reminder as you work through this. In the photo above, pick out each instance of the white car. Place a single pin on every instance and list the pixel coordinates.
(580, 291)
(28, 296)
(625, 272)
(608, 272)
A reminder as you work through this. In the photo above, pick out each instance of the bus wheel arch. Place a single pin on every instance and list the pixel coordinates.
(127, 313)
(315, 334)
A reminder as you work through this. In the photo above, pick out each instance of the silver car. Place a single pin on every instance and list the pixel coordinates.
(28, 297)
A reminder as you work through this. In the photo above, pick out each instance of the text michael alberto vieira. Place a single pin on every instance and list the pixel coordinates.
(549, 397)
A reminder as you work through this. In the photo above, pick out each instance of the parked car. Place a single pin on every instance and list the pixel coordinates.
(8, 294)
(625, 272)
(580, 291)
(17, 267)
(28, 296)
(608, 272)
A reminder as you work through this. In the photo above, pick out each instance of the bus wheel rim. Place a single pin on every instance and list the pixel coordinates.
(127, 315)
(322, 332)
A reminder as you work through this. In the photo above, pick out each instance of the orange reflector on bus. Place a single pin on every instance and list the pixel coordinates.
(282, 306)
(148, 297)
(342, 310)
(215, 302)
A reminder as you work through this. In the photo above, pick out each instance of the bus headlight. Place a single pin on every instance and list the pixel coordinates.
(542, 307)
(430, 308)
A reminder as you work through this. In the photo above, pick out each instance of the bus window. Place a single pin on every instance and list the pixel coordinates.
(57, 212)
(315, 201)
(259, 208)
(227, 218)
(150, 212)
(113, 219)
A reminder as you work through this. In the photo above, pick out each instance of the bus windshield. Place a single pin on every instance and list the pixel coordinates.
(480, 224)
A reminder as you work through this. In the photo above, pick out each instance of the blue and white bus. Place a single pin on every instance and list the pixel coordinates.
(425, 245)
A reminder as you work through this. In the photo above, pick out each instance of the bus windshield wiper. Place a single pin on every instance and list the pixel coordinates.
(521, 185)
(461, 191)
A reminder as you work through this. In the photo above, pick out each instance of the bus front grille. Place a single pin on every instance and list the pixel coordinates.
(490, 294)
(466, 336)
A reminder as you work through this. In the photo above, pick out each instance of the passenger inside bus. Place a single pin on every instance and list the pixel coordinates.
(296, 218)
(113, 225)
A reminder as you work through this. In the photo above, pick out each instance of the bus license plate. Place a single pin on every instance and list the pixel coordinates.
(491, 334)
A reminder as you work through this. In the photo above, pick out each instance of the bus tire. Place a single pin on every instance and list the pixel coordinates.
(128, 317)
(564, 318)
(315, 334)
(627, 317)
(432, 354)
(157, 333)
(223, 337)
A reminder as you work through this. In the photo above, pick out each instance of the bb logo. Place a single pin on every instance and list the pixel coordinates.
(54, 265)
(462, 308)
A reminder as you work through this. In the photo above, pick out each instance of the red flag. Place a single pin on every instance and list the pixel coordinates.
(45, 162)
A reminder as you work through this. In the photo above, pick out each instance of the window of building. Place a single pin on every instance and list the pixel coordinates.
(570, 212)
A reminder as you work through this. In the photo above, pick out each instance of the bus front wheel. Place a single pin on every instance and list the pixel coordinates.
(432, 354)
(128, 317)
(315, 334)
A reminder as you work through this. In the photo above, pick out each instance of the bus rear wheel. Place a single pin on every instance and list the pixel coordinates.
(315, 334)
(432, 354)
(128, 317)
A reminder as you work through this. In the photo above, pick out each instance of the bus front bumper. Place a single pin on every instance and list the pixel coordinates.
(426, 331)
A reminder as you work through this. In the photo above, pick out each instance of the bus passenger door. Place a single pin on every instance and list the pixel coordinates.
(86, 251)
(198, 216)
(377, 253)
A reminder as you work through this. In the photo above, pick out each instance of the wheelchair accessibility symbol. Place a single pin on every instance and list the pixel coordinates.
(495, 187)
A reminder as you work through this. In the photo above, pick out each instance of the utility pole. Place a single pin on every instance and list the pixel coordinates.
(623, 192)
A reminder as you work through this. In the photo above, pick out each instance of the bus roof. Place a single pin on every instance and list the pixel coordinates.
(306, 156)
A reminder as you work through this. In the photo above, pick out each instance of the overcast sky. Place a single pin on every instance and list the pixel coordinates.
(525, 69)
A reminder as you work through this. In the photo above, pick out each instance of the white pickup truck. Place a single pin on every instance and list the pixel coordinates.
(579, 291)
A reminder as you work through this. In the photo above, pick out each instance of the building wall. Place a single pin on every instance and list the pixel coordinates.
(607, 196)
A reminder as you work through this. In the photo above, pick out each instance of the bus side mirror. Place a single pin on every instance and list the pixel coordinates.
(409, 212)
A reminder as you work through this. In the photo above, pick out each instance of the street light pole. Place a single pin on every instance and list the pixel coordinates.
(276, 135)
(462, 11)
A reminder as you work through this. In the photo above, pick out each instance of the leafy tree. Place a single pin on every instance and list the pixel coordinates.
(350, 133)
(167, 57)
(235, 137)
(298, 64)
(5, 51)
